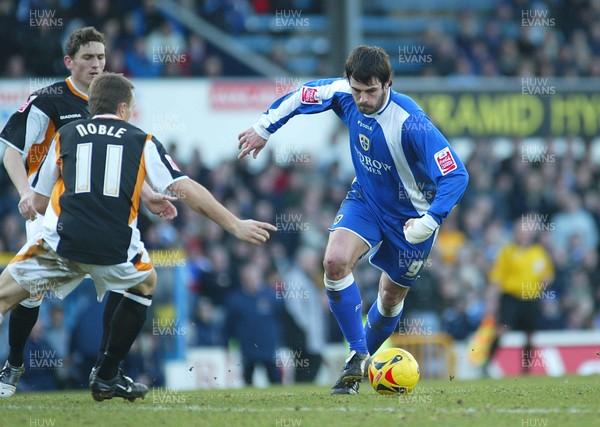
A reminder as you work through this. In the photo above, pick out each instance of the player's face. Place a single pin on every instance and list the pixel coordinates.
(86, 64)
(369, 98)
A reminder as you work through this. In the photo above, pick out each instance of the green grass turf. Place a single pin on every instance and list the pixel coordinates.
(519, 402)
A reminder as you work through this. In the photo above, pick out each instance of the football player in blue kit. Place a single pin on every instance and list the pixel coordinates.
(408, 179)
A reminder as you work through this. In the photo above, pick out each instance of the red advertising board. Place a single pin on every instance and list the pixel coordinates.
(554, 354)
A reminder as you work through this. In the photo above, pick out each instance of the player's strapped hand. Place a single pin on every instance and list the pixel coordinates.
(26, 207)
(249, 141)
(160, 204)
(417, 230)
(255, 232)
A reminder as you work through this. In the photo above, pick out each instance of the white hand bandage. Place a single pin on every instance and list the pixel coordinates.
(421, 229)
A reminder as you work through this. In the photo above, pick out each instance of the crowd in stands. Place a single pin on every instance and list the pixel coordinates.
(558, 192)
(510, 38)
(283, 279)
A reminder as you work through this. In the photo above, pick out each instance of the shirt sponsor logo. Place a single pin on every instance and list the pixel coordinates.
(70, 116)
(371, 165)
(310, 95)
(445, 161)
(29, 101)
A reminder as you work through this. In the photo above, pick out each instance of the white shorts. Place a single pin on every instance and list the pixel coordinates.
(38, 269)
(34, 228)
(34, 231)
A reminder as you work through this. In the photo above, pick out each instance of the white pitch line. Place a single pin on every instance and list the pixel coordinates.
(399, 408)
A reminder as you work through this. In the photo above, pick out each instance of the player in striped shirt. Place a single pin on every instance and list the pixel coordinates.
(27, 136)
(90, 182)
(408, 178)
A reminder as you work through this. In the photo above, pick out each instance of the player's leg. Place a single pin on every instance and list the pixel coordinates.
(273, 371)
(527, 359)
(20, 323)
(112, 302)
(400, 263)
(344, 249)
(527, 322)
(385, 313)
(127, 321)
(354, 231)
(248, 369)
(11, 294)
(25, 315)
(504, 323)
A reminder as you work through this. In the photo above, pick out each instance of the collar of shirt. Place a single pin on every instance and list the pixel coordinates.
(79, 91)
(106, 116)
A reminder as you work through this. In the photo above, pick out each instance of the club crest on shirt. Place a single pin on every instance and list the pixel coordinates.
(365, 142)
(445, 161)
(337, 219)
(310, 95)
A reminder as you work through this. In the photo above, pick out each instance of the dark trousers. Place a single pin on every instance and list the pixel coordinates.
(273, 371)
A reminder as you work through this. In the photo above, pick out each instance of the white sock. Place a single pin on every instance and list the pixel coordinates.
(389, 311)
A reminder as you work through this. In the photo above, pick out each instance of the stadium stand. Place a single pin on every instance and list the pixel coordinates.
(473, 38)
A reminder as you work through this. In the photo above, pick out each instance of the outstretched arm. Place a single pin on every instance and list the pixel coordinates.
(198, 198)
(312, 98)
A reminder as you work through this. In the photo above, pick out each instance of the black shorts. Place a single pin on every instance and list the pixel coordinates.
(517, 314)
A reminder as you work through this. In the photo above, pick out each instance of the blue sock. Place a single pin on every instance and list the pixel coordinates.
(346, 306)
(379, 327)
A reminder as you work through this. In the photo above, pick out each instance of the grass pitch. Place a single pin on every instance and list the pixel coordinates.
(519, 402)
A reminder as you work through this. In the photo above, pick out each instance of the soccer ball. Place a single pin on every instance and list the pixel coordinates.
(393, 371)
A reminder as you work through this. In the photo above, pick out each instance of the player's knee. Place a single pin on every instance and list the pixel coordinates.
(151, 283)
(11, 293)
(147, 286)
(336, 266)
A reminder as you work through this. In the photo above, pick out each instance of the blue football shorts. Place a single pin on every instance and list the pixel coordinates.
(400, 260)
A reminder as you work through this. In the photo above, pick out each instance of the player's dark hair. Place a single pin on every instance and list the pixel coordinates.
(81, 37)
(107, 91)
(366, 62)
